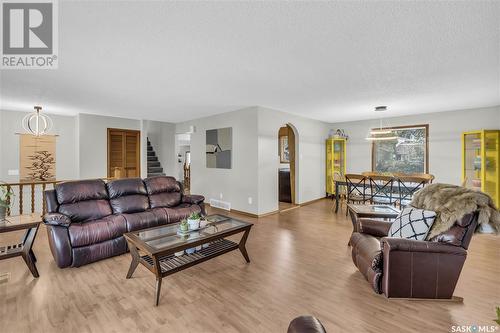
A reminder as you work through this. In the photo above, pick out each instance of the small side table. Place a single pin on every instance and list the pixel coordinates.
(30, 223)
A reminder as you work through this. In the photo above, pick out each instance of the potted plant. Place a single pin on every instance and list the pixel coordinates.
(184, 226)
(5, 195)
(194, 221)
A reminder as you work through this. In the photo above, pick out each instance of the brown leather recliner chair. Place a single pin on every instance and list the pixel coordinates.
(404, 268)
(86, 219)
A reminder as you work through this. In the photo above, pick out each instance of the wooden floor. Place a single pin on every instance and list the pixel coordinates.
(300, 265)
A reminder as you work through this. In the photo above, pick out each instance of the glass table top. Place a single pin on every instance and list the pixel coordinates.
(374, 209)
(168, 236)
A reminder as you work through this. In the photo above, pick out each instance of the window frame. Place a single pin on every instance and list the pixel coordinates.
(426, 145)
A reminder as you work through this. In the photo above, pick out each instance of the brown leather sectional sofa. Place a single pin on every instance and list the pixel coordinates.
(86, 219)
(404, 268)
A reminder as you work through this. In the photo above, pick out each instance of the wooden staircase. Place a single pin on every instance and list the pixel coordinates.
(154, 166)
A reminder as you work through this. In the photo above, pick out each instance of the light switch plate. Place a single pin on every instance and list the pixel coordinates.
(13, 172)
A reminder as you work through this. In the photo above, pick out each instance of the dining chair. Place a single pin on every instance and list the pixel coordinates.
(338, 176)
(407, 186)
(381, 189)
(356, 189)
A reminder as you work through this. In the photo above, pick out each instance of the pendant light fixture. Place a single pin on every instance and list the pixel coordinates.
(36, 123)
(381, 133)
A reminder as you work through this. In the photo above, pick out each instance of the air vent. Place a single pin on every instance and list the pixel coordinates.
(220, 204)
(4, 278)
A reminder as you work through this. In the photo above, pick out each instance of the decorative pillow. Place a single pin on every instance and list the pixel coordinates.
(412, 223)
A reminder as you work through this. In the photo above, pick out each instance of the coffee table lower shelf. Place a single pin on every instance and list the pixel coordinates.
(171, 263)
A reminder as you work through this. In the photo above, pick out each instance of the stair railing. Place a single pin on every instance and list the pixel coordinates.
(28, 196)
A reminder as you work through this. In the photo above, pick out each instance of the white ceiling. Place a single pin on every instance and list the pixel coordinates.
(331, 61)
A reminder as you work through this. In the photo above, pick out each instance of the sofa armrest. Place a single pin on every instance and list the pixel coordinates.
(390, 244)
(377, 228)
(56, 219)
(193, 199)
(420, 269)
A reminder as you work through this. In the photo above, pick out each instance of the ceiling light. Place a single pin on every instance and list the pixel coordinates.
(381, 133)
(36, 123)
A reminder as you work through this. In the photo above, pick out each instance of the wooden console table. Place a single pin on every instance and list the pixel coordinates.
(30, 223)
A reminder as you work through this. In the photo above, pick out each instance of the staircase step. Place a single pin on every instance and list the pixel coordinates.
(152, 158)
(151, 153)
(155, 170)
(151, 174)
(150, 148)
(153, 164)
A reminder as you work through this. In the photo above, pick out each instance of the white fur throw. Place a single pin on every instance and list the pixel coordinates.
(452, 202)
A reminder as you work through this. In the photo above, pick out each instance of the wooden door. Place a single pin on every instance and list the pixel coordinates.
(291, 150)
(124, 153)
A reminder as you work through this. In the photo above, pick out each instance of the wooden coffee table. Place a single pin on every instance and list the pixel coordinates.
(30, 223)
(155, 248)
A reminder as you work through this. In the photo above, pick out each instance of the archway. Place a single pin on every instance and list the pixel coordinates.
(288, 194)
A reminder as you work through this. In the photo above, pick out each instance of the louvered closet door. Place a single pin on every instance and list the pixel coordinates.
(123, 153)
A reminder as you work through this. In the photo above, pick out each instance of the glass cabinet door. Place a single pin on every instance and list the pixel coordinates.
(338, 157)
(472, 160)
(491, 168)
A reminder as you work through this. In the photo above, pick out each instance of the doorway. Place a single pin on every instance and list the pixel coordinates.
(287, 191)
(183, 149)
(124, 153)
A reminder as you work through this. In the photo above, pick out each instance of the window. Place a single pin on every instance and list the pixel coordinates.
(407, 154)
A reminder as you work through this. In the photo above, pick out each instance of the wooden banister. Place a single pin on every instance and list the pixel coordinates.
(33, 186)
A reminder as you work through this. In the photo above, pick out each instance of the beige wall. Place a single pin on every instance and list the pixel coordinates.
(309, 153)
(238, 184)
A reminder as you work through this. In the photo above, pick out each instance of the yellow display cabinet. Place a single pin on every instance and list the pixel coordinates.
(480, 162)
(335, 162)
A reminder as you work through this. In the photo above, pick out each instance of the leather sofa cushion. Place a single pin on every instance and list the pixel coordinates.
(163, 191)
(455, 235)
(160, 214)
(176, 214)
(160, 184)
(127, 195)
(87, 254)
(165, 199)
(86, 210)
(141, 220)
(81, 190)
(129, 204)
(97, 231)
(127, 186)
